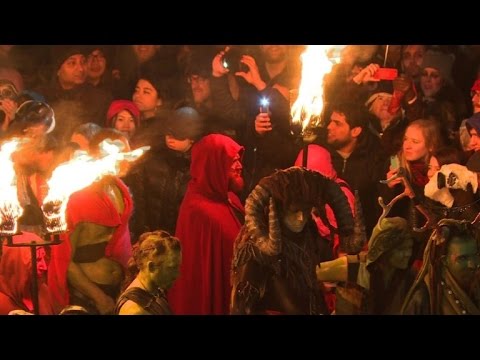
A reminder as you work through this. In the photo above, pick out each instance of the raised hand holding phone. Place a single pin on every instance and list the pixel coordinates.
(263, 124)
(366, 74)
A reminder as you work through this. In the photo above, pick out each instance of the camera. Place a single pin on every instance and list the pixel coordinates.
(231, 61)
(7, 94)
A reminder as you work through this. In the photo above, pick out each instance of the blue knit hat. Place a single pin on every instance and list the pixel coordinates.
(474, 122)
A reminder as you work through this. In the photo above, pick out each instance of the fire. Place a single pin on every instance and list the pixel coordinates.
(308, 106)
(10, 209)
(78, 173)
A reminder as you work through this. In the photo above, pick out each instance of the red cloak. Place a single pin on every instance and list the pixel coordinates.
(207, 225)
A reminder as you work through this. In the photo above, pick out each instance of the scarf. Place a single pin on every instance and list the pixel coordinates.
(419, 170)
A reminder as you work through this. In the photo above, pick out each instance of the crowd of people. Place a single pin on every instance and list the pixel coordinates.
(230, 211)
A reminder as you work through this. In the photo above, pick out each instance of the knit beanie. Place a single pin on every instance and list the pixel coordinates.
(117, 106)
(439, 61)
(60, 53)
(185, 123)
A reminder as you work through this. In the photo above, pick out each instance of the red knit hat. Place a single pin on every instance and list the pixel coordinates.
(118, 105)
(476, 86)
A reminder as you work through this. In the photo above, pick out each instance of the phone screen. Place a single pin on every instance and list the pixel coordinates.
(394, 162)
(386, 74)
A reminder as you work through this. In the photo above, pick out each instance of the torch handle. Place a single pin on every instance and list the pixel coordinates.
(33, 254)
(305, 155)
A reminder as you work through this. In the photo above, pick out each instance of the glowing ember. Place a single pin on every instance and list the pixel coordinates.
(308, 107)
(79, 173)
(10, 209)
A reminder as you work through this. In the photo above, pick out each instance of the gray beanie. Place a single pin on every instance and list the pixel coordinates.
(441, 62)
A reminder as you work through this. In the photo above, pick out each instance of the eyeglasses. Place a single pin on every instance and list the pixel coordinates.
(197, 79)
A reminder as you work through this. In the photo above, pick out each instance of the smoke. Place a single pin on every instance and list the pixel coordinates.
(352, 54)
(68, 114)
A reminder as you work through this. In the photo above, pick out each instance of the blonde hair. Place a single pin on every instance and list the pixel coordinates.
(433, 140)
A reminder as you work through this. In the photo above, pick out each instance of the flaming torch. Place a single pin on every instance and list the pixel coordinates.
(10, 209)
(79, 173)
(307, 109)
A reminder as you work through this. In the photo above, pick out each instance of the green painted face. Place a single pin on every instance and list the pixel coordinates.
(400, 256)
(166, 271)
(463, 260)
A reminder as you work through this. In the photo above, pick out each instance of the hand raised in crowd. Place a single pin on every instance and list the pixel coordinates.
(253, 75)
(9, 107)
(399, 180)
(218, 70)
(393, 182)
(116, 74)
(404, 85)
(366, 74)
(263, 124)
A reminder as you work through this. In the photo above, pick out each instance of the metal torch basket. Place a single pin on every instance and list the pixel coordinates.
(48, 239)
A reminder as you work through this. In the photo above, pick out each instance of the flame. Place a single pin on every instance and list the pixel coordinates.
(308, 106)
(10, 209)
(78, 173)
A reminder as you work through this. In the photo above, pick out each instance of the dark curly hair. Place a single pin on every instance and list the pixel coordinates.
(149, 246)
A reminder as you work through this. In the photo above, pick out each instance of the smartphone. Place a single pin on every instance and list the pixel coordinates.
(394, 162)
(386, 74)
(264, 105)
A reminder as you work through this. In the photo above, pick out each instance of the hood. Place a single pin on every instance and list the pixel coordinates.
(212, 158)
(318, 159)
(385, 236)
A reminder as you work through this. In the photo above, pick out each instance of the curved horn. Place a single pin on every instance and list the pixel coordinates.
(334, 196)
(338, 201)
(268, 240)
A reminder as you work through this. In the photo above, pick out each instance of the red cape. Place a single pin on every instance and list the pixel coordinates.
(207, 226)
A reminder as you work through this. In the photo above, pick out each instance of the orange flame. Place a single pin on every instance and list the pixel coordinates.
(10, 209)
(78, 173)
(309, 104)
